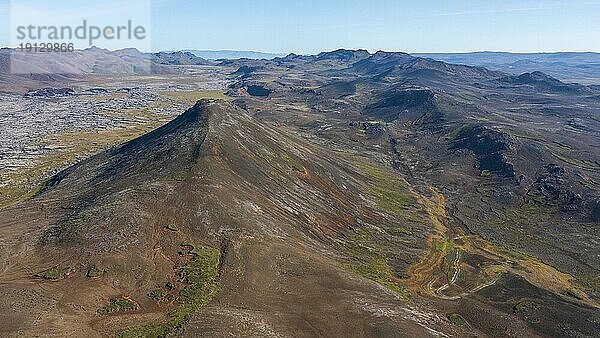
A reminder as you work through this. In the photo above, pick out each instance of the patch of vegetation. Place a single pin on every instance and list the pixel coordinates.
(581, 164)
(270, 161)
(371, 263)
(274, 160)
(200, 277)
(195, 95)
(453, 133)
(457, 319)
(588, 282)
(444, 246)
(157, 294)
(523, 135)
(96, 272)
(54, 273)
(172, 227)
(527, 214)
(179, 178)
(398, 230)
(391, 192)
(277, 177)
(293, 163)
(119, 305)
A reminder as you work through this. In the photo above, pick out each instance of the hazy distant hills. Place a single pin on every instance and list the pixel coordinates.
(232, 54)
(95, 61)
(570, 67)
(582, 68)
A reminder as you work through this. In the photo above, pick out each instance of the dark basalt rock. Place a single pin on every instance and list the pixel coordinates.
(50, 92)
(595, 210)
(337, 90)
(544, 82)
(405, 104)
(260, 91)
(410, 98)
(244, 71)
(94, 91)
(373, 129)
(550, 189)
(489, 147)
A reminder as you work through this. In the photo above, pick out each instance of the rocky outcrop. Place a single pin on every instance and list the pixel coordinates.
(489, 147)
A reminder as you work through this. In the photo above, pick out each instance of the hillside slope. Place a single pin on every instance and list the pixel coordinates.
(289, 218)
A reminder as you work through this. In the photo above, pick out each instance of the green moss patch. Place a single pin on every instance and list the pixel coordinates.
(119, 305)
(371, 263)
(54, 273)
(457, 319)
(96, 272)
(588, 282)
(390, 192)
(172, 227)
(157, 294)
(179, 178)
(293, 163)
(201, 278)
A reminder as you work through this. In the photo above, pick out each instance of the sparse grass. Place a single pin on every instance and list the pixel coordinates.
(96, 272)
(195, 95)
(452, 134)
(278, 162)
(588, 282)
(200, 277)
(293, 163)
(457, 319)
(398, 231)
(444, 246)
(172, 227)
(390, 192)
(179, 178)
(523, 135)
(581, 164)
(527, 214)
(157, 294)
(54, 273)
(371, 263)
(119, 305)
(270, 161)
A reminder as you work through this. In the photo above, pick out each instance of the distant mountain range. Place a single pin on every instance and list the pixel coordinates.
(582, 68)
(570, 67)
(233, 54)
(95, 60)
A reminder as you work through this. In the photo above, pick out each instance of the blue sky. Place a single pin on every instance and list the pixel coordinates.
(311, 26)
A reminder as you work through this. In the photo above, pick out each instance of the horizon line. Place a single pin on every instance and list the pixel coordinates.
(370, 51)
